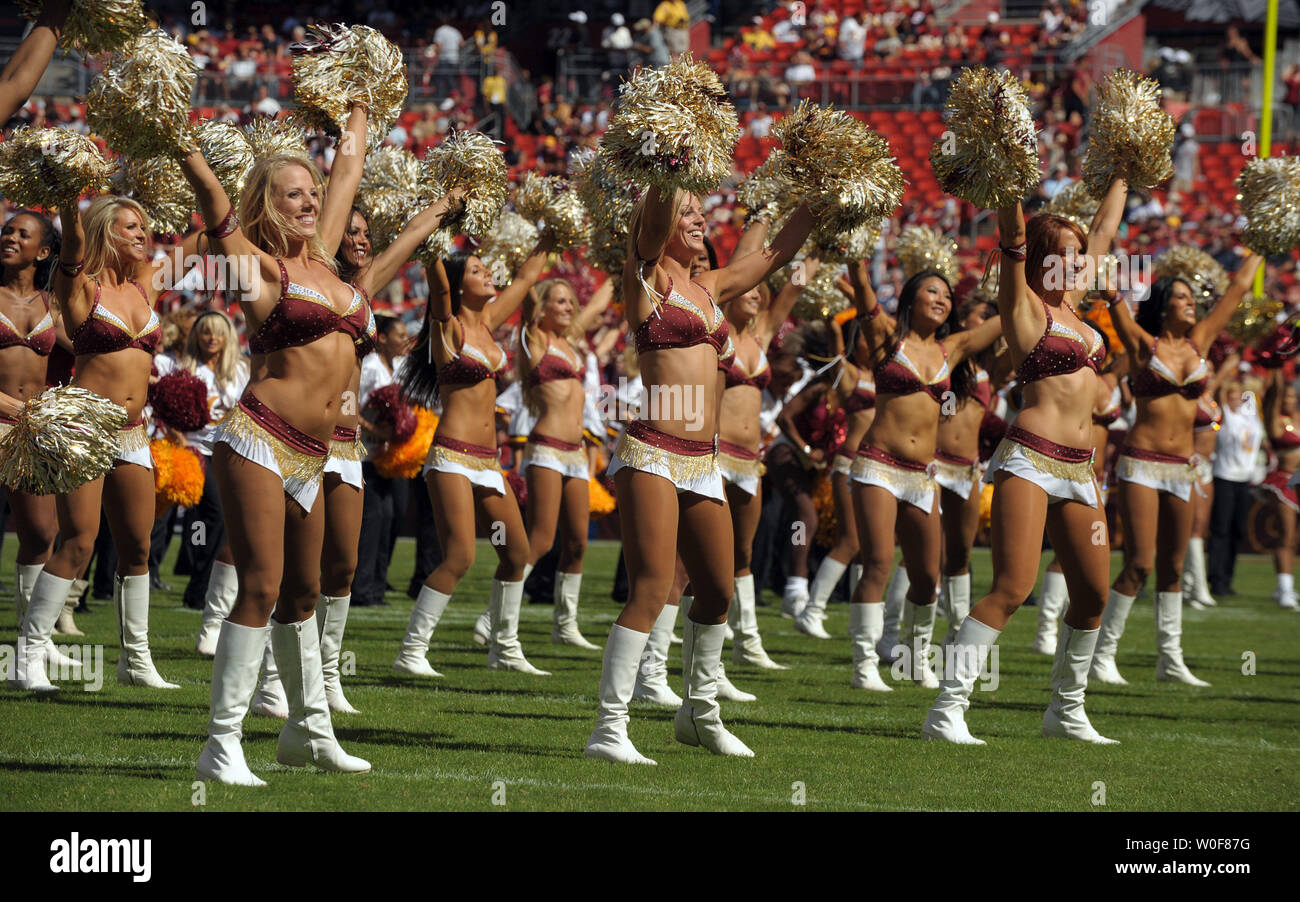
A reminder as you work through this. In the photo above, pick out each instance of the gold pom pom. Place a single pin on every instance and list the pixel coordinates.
(508, 246)
(1255, 318)
(554, 201)
(337, 66)
(387, 212)
(1076, 203)
(64, 438)
(160, 187)
(1130, 135)
(391, 169)
(472, 161)
(988, 154)
(275, 137)
(140, 103)
(767, 191)
(673, 127)
(95, 26)
(1269, 196)
(840, 166)
(921, 248)
(819, 299)
(228, 153)
(50, 167)
(1207, 278)
(852, 246)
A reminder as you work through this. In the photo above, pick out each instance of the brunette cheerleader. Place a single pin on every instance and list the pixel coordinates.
(1280, 409)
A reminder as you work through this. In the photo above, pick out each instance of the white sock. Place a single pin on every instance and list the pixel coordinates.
(1285, 583)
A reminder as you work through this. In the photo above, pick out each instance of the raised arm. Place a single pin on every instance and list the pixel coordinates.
(648, 245)
(508, 300)
(769, 320)
(743, 273)
(875, 325)
(791, 410)
(69, 286)
(1023, 317)
(345, 176)
(753, 238)
(24, 70)
(385, 266)
(1136, 341)
(1101, 234)
(588, 316)
(1204, 332)
(970, 342)
(164, 273)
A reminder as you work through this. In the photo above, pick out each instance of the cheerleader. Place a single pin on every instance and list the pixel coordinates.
(669, 489)
(894, 491)
(1205, 429)
(1279, 411)
(269, 452)
(29, 247)
(1155, 469)
(455, 360)
(1042, 471)
(1106, 410)
(853, 391)
(105, 287)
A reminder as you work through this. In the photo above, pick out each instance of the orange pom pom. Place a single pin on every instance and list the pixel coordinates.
(601, 501)
(177, 475)
(405, 461)
(824, 502)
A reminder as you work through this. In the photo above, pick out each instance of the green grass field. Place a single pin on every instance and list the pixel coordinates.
(481, 740)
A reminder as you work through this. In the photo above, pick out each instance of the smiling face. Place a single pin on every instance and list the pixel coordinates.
(1180, 310)
(1072, 259)
(20, 242)
(476, 286)
(700, 263)
(211, 338)
(356, 241)
(297, 198)
(687, 239)
(747, 305)
(932, 304)
(129, 234)
(557, 309)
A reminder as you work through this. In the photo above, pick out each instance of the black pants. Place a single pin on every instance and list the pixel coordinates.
(1232, 501)
(428, 551)
(203, 537)
(383, 513)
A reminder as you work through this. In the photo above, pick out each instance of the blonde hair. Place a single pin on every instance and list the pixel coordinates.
(680, 200)
(263, 224)
(103, 244)
(530, 328)
(229, 367)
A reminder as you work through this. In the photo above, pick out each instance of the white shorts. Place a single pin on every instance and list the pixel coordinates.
(956, 478)
(300, 473)
(915, 487)
(348, 471)
(1173, 477)
(741, 471)
(842, 464)
(1061, 480)
(133, 446)
(479, 469)
(570, 462)
(641, 448)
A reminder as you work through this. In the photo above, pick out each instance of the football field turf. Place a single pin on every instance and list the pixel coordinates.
(484, 740)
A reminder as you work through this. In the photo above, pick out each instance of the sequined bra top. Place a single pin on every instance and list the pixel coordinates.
(39, 340)
(469, 365)
(103, 332)
(736, 374)
(554, 366)
(863, 397)
(304, 315)
(822, 427)
(677, 323)
(1156, 380)
(898, 376)
(1288, 439)
(1060, 351)
(1112, 410)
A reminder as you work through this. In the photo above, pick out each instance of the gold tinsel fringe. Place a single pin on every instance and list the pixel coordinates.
(956, 472)
(767, 189)
(682, 468)
(50, 167)
(820, 298)
(1255, 318)
(94, 26)
(910, 482)
(228, 153)
(338, 65)
(1269, 197)
(133, 438)
(553, 201)
(1080, 472)
(849, 247)
(921, 248)
(160, 187)
(673, 127)
(1130, 135)
(1128, 468)
(536, 452)
(64, 438)
(512, 240)
(988, 154)
(473, 161)
(352, 450)
(440, 455)
(292, 463)
(1203, 273)
(140, 102)
(1076, 203)
(275, 137)
(728, 463)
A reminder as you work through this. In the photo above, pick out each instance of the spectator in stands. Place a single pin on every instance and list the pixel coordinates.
(427, 127)
(240, 74)
(397, 135)
(758, 38)
(675, 20)
(1052, 185)
(761, 125)
(1052, 19)
(617, 41)
(494, 96)
(852, 40)
(1291, 81)
(1186, 159)
(801, 70)
(263, 104)
(449, 42)
(650, 47)
(1236, 50)
(485, 40)
(990, 40)
(787, 31)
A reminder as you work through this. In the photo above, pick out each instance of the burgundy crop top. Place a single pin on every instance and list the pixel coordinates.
(1156, 380)
(39, 340)
(898, 376)
(104, 333)
(554, 366)
(737, 375)
(863, 397)
(304, 315)
(1112, 410)
(1288, 439)
(677, 323)
(1060, 351)
(469, 365)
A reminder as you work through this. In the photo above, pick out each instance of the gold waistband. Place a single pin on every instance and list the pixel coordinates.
(681, 467)
(133, 438)
(438, 454)
(536, 452)
(1129, 468)
(956, 471)
(1080, 472)
(740, 466)
(911, 481)
(352, 450)
(293, 464)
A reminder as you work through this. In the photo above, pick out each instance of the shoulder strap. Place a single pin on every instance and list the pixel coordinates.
(284, 277)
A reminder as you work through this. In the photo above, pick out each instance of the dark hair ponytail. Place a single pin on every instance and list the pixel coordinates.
(1150, 315)
(962, 376)
(420, 374)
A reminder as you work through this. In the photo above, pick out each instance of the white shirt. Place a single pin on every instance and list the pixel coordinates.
(761, 125)
(375, 375)
(267, 106)
(800, 73)
(220, 400)
(852, 39)
(1239, 439)
(448, 40)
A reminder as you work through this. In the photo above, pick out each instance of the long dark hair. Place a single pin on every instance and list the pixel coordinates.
(1151, 312)
(962, 375)
(347, 269)
(49, 238)
(420, 374)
